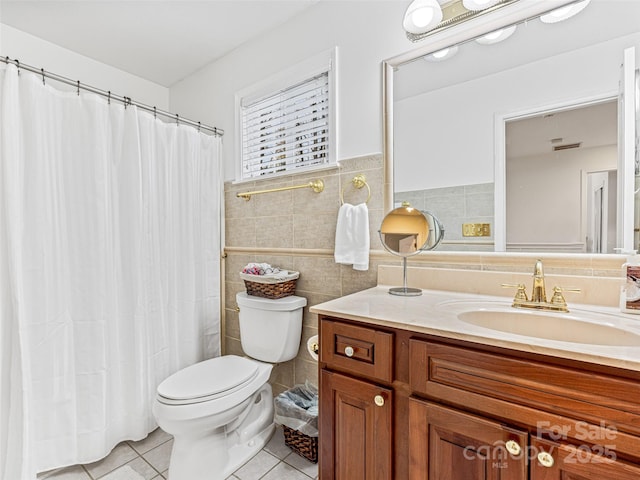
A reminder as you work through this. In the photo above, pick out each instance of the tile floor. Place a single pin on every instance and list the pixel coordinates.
(149, 459)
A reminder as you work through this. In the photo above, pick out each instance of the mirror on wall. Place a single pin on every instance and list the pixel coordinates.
(525, 138)
(406, 231)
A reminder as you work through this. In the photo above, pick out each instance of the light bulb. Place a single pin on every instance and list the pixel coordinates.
(563, 13)
(422, 16)
(441, 55)
(496, 36)
(478, 4)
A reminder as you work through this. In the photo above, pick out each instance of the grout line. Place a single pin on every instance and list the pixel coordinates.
(87, 471)
(154, 468)
(268, 471)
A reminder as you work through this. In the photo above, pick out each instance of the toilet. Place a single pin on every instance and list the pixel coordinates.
(220, 411)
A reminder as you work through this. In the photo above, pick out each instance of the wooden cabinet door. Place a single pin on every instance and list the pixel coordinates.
(447, 444)
(355, 429)
(558, 461)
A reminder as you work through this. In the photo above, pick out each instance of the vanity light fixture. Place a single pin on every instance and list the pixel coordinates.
(421, 16)
(441, 55)
(476, 5)
(428, 17)
(563, 13)
(496, 36)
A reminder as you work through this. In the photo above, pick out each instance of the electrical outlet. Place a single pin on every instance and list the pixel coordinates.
(476, 230)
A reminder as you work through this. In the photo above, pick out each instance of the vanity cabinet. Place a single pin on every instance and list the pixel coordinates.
(456, 410)
(564, 461)
(447, 443)
(356, 402)
(358, 442)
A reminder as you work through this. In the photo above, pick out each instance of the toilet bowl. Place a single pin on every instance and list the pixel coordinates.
(220, 411)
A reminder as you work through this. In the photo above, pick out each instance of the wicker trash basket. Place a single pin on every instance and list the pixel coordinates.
(302, 444)
(271, 286)
(297, 411)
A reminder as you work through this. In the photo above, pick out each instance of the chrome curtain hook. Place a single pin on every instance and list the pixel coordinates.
(43, 82)
(199, 127)
(177, 120)
(109, 97)
(18, 65)
(78, 91)
(154, 113)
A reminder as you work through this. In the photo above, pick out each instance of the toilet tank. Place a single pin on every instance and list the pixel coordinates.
(270, 329)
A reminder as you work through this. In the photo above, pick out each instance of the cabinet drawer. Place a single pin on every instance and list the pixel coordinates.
(361, 350)
(492, 383)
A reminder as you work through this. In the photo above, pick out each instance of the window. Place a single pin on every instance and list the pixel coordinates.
(287, 126)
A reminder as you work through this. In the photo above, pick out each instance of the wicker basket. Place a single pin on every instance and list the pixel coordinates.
(302, 444)
(269, 287)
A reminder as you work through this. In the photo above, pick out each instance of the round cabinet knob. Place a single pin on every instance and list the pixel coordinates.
(545, 459)
(379, 400)
(349, 351)
(512, 447)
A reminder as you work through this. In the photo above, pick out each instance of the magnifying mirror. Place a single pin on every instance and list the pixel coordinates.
(406, 231)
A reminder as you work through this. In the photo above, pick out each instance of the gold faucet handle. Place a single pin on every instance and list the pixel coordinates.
(521, 293)
(558, 297)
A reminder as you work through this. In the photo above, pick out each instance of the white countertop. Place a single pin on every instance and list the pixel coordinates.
(436, 313)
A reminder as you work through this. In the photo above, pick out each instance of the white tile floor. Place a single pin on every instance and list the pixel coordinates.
(149, 459)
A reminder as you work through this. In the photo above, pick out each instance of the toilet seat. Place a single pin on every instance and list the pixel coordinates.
(207, 380)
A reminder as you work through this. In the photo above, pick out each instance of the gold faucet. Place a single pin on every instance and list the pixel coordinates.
(539, 293)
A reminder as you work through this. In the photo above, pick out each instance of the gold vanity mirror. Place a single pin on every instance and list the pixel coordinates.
(407, 231)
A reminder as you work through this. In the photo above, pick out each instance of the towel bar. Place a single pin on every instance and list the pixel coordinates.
(316, 185)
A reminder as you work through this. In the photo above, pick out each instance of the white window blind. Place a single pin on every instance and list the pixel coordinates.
(287, 130)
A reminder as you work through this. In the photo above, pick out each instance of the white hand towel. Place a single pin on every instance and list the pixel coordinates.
(352, 236)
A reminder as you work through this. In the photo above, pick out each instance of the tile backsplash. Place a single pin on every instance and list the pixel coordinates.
(295, 230)
(455, 206)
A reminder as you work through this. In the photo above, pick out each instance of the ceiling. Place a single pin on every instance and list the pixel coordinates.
(162, 41)
(589, 126)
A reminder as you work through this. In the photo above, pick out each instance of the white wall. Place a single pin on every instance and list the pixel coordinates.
(364, 32)
(463, 153)
(39, 53)
(549, 190)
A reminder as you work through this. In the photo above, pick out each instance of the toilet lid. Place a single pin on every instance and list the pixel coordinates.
(210, 378)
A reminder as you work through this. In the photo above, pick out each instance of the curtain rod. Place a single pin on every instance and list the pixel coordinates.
(110, 96)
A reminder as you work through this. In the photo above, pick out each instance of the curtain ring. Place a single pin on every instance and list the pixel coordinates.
(109, 97)
(154, 113)
(43, 82)
(177, 120)
(198, 127)
(18, 65)
(78, 88)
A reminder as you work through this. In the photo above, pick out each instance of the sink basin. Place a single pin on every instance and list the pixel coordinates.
(576, 327)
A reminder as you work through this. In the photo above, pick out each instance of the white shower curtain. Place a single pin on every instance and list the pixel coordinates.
(109, 269)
